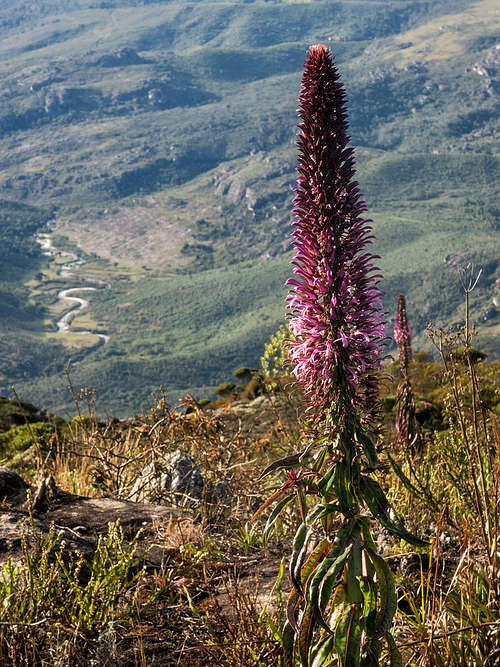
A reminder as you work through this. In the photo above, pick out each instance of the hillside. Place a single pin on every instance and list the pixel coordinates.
(159, 140)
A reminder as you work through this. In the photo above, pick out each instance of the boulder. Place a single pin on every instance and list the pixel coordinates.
(12, 487)
(176, 474)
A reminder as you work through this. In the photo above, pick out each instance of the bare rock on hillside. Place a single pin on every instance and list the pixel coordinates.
(175, 474)
(79, 520)
(121, 57)
(12, 487)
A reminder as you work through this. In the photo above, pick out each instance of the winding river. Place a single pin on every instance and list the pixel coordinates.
(75, 303)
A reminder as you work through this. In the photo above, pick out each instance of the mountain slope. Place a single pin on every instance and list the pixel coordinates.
(164, 133)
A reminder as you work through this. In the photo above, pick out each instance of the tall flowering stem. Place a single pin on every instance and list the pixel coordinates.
(407, 427)
(343, 598)
(402, 334)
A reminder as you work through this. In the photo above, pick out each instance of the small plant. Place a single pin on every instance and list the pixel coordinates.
(274, 361)
(81, 598)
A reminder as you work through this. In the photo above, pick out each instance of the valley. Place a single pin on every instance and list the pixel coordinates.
(158, 142)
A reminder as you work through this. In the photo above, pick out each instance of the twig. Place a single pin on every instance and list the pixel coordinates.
(448, 634)
(26, 625)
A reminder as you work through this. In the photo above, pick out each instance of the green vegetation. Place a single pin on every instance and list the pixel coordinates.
(113, 604)
(166, 148)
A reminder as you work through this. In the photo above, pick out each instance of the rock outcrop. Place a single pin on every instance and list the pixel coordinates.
(80, 520)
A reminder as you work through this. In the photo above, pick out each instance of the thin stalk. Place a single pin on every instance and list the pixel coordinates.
(474, 392)
(454, 388)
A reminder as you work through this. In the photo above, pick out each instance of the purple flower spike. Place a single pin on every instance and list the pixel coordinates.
(334, 303)
(402, 333)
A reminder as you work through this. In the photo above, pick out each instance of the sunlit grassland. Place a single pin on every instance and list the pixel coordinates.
(444, 38)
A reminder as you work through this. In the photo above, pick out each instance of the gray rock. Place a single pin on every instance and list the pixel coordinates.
(12, 485)
(175, 474)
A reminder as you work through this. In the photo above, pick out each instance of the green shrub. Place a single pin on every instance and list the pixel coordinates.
(21, 438)
(225, 388)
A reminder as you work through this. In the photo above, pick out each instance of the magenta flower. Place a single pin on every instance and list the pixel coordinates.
(334, 303)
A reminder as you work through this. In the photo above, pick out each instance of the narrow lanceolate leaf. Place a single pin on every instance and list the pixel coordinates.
(341, 481)
(367, 536)
(325, 510)
(348, 638)
(397, 529)
(299, 550)
(275, 514)
(326, 573)
(337, 606)
(315, 557)
(387, 596)
(326, 480)
(305, 635)
(277, 494)
(353, 591)
(324, 651)
(374, 497)
(301, 498)
(371, 653)
(287, 641)
(369, 590)
(405, 480)
(292, 609)
(369, 451)
(330, 583)
(314, 514)
(379, 506)
(394, 654)
(320, 460)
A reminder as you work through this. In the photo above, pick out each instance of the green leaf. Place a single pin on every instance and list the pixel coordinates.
(369, 451)
(301, 497)
(292, 610)
(314, 514)
(320, 460)
(318, 553)
(337, 606)
(348, 638)
(277, 494)
(326, 574)
(353, 590)
(368, 537)
(300, 537)
(372, 650)
(326, 480)
(387, 596)
(305, 635)
(298, 553)
(374, 497)
(394, 654)
(323, 652)
(329, 583)
(404, 479)
(369, 590)
(287, 641)
(275, 513)
(341, 481)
